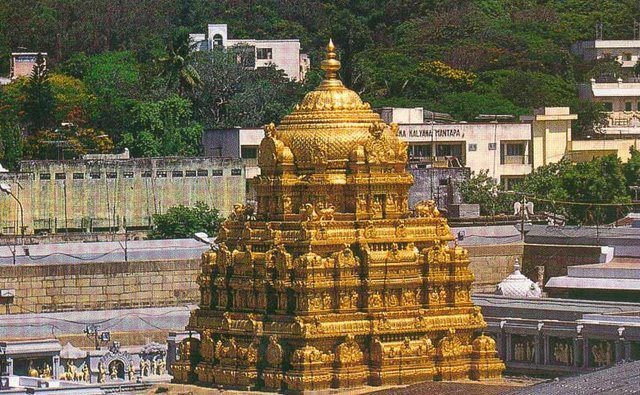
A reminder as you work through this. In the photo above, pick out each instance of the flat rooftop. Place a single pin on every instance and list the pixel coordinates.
(47, 325)
(107, 251)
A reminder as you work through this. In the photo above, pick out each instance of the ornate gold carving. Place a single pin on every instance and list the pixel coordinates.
(334, 261)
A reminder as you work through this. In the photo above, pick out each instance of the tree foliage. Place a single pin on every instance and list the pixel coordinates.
(39, 97)
(181, 222)
(163, 128)
(576, 190)
(480, 188)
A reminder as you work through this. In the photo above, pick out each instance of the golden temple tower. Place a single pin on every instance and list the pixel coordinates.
(334, 282)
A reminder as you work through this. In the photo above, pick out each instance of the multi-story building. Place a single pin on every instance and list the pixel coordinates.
(22, 63)
(107, 194)
(284, 54)
(627, 52)
(507, 150)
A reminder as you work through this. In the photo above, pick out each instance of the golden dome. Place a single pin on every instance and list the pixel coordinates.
(329, 123)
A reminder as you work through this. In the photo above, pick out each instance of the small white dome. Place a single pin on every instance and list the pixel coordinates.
(517, 285)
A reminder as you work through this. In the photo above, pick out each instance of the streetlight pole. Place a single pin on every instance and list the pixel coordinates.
(6, 188)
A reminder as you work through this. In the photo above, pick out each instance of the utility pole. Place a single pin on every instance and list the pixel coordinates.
(522, 211)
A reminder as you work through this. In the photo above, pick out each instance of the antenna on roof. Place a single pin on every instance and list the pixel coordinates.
(599, 31)
(636, 30)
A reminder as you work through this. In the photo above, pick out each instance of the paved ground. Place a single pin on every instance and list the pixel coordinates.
(104, 251)
(499, 387)
(42, 325)
(623, 378)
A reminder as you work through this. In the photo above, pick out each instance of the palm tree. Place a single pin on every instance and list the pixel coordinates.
(177, 65)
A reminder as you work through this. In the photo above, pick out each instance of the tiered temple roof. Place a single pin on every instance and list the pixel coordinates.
(333, 281)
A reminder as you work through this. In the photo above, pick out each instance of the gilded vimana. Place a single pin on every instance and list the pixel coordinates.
(334, 282)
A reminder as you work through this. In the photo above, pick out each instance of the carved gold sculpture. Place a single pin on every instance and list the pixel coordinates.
(333, 282)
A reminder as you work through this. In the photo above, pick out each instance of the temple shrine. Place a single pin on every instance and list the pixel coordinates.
(333, 282)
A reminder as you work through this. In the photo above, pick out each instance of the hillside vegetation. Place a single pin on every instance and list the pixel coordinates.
(122, 69)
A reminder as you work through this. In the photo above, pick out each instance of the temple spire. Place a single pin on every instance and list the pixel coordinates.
(331, 64)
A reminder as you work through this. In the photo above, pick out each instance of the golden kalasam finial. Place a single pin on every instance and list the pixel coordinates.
(331, 65)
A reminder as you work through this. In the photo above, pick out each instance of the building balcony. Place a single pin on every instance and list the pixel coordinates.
(436, 161)
(515, 160)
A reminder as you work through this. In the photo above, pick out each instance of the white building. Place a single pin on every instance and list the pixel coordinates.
(627, 52)
(507, 150)
(284, 54)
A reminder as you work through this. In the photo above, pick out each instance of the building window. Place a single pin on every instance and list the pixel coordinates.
(264, 53)
(511, 183)
(190, 173)
(513, 154)
(217, 40)
(449, 150)
(146, 173)
(78, 176)
(176, 173)
(203, 173)
(94, 175)
(638, 106)
(492, 146)
(161, 174)
(112, 174)
(45, 176)
(420, 151)
(127, 174)
(608, 106)
(236, 172)
(473, 147)
(248, 152)
(216, 173)
(628, 106)
(627, 57)
(61, 176)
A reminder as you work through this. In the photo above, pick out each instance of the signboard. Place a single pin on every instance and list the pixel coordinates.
(427, 132)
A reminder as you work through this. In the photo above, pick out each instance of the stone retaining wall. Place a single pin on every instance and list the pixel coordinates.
(491, 264)
(113, 285)
(98, 286)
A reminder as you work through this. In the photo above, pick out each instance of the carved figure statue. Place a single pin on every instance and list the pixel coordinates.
(131, 372)
(86, 375)
(46, 371)
(102, 373)
(562, 353)
(427, 209)
(326, 214)
(154, 366)
(601, 353)
(113, 374)
(308, 212)
(33, 372)
(286, 204)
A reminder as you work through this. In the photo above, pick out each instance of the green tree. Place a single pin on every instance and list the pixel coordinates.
(177, 64)
(600, 180)
(484, 190)
(231, 95)
(591, 119)
(180, 222)
(67, 143)
(632, 168)
(10, 142)
(39, 98)
(114, 79)
(163, 128)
